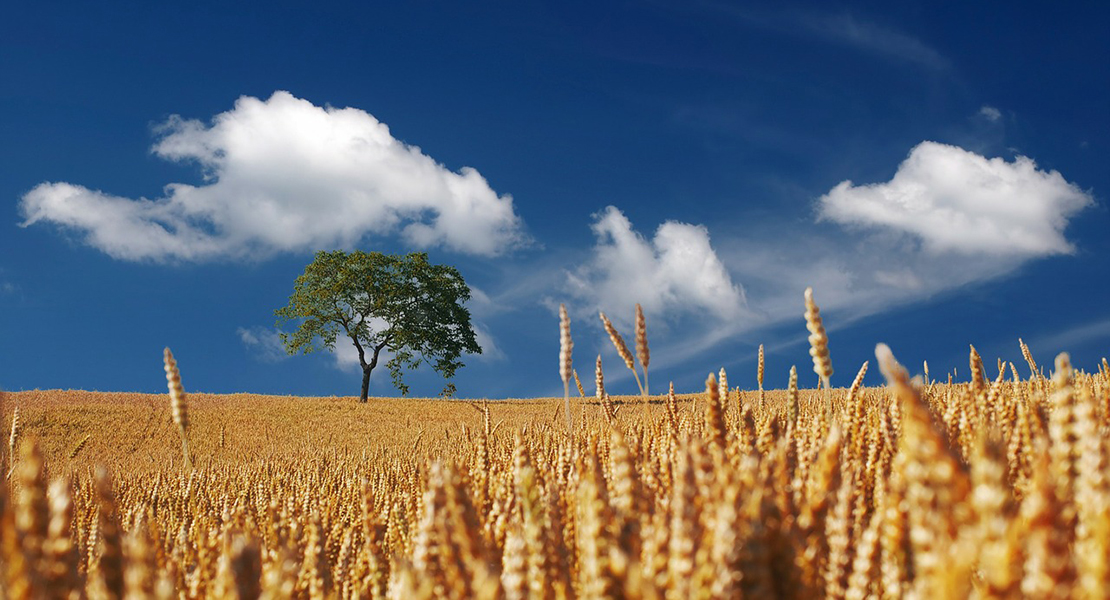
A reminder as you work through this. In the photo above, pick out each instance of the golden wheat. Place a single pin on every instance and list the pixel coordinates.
(910, 490)
(818, 339)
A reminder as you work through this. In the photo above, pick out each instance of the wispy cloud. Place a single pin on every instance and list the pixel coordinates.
(1070, 339)
(491, 352)
(990, 113)
(284, 175)
(846, 29)
(481, 308)
(872, 37)
(264, 344)
(7, 287)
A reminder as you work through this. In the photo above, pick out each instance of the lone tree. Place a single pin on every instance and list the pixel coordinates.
(402, 304)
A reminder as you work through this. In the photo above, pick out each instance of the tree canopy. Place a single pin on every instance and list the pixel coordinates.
(382, 302)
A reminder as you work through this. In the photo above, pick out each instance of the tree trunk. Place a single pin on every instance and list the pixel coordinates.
(365, 384)
(367, 368)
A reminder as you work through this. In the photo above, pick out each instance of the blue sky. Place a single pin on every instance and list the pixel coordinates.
(936, 171)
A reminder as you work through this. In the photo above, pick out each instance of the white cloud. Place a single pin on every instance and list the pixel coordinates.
(491, 352)
(874, 248)
(346, 356)
(675, 273)
(264, 343)
(284, 175)
(948, 218)
(959, 203)
(990, 113)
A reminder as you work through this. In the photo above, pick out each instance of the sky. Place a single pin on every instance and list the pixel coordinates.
(936, 171)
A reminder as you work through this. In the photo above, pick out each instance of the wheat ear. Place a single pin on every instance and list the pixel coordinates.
(80, 446)
(622, 348)
(179, 407)
(818, 340)
(566, 346)
(13, 439)
(792, 397)
(978, 376)
(642, 352)
(759, 376)
(1028, 356)
(599, 380)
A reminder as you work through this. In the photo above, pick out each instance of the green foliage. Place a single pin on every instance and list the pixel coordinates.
(381, 301)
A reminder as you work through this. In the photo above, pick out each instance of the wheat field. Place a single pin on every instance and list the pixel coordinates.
(996, 488)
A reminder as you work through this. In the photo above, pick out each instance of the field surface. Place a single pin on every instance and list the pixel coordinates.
(131, 432)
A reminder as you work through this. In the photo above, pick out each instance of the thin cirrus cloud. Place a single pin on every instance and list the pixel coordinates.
(844, 29)
(674, 273)
(284, 175)
(872, 37)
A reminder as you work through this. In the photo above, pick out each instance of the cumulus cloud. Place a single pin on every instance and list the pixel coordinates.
(948, 218)
(346, 356)
(677, 272)
(958, 203)
(284, 175)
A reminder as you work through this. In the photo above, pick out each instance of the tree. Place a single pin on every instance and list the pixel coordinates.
(402, 304)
